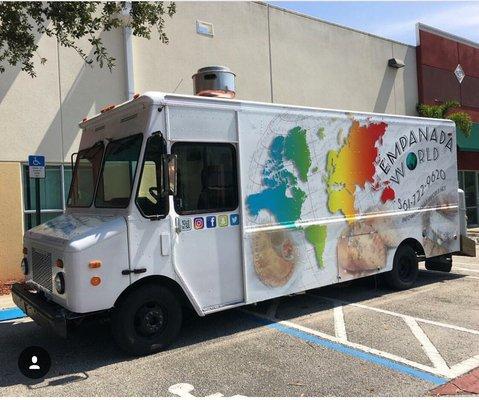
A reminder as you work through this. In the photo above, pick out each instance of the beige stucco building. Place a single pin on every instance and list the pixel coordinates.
(277, 55)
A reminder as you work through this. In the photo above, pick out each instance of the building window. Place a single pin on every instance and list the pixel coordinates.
(207, 178)
(469, 182)
(53, 192)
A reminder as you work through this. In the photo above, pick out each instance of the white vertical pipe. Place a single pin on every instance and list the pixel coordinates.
(128, 46)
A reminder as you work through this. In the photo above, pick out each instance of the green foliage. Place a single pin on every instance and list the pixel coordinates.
(437, 110)
(69, 22)
(462, 119)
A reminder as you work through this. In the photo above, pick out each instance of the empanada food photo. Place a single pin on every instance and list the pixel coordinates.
(274, 257)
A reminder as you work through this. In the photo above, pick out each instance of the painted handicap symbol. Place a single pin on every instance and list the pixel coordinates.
(185, 389)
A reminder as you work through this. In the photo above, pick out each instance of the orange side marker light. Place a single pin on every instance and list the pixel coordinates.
(94, 264)
(95, 281)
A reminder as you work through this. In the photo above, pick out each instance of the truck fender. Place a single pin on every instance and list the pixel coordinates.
(162, 281)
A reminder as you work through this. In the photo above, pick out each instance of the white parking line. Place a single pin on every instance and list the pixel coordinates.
(395, 314)
(339, 325)
(465, 366)
(440, 366)
(427, 345)
(370, 350)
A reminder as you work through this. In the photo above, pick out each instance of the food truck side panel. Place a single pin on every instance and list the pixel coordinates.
(328, 196)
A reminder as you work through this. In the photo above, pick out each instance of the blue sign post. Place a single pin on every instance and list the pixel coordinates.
(36, 170)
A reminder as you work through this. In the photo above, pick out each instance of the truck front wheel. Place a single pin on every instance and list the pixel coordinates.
(405, 269)
(147, 320)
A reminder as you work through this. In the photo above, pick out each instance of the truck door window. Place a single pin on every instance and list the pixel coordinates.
(149, 199)
(207, 178)
(85, 175)
(118, 172)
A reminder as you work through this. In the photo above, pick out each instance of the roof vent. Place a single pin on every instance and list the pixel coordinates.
(214, 81)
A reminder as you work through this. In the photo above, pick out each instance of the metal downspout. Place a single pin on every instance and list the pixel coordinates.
(128, 46)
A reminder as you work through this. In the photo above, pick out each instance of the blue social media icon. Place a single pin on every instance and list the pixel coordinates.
(211, 221)
(234, 219)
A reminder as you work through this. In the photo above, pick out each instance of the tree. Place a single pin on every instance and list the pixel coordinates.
(71, 21)
(462, 119)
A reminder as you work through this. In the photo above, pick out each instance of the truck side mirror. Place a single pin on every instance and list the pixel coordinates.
(169, 180)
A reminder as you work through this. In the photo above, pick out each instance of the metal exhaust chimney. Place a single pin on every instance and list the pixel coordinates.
(214, 81)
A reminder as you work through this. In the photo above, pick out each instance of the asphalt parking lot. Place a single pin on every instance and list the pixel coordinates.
(354, 339)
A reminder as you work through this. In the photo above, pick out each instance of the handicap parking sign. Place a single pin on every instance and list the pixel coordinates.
(36, 166)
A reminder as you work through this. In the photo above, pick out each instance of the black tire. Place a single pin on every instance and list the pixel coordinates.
(405, 269)
(147, 320)
(441, 263)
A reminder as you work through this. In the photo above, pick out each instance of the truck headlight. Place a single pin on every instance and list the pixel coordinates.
(24, 266)
(60, 283)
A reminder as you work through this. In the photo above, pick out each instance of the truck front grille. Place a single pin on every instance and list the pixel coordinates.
(42, 268)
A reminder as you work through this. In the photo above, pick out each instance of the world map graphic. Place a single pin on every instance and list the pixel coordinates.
(298, 174)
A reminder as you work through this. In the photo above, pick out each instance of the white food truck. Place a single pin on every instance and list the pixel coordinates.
(210, 203)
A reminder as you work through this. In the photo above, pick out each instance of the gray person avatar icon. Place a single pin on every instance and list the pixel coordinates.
(34, 363)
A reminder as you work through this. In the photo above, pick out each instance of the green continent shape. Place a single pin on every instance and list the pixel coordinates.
(316, 235)
(296, 149)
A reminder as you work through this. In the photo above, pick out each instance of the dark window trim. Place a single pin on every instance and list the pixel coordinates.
(167, 209)
(95, 184)
(103, 166)
(235, 166)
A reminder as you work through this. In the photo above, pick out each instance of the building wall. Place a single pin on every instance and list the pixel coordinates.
(240, 42)
(280, 56)
(439, 54)
(40, 115)
(334, 67)
(11, 223)
(277, 56)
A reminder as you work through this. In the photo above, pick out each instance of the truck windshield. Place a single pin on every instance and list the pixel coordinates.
(118, 172)
(85, 176)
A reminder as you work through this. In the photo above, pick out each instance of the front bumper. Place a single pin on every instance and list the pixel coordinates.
(44, 312)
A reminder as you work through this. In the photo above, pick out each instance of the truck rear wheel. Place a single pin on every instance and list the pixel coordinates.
(147, 320)
(405, 269)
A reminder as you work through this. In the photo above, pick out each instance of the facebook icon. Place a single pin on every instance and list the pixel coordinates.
(211, 221)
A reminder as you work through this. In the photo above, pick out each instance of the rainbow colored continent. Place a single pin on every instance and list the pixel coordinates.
(296, 149)
(352, 165)
(316, 235)
(277, 179)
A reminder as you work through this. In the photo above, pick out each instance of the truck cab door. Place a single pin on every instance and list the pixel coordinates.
(207, 247)
(149, 225)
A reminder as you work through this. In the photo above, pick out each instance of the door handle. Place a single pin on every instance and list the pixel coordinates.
(134, 271)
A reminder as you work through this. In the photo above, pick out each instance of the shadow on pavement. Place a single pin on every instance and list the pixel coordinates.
(91, 346)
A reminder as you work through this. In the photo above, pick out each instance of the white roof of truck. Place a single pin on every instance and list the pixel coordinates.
(160, 98)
